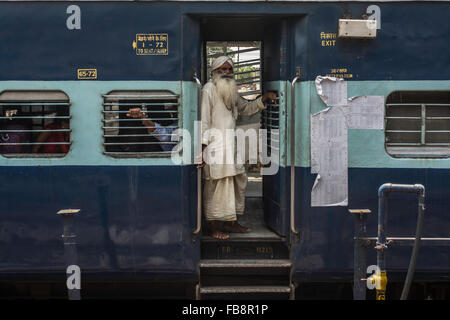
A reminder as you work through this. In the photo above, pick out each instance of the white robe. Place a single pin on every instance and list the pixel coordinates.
(224, 198)
(217, 119)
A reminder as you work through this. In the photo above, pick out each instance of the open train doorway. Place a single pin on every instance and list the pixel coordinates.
(246, 56)
(248, 59)
(254, 264)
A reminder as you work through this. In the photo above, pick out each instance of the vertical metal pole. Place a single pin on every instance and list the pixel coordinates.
(360, 254)
(423, 125)
(197, 292)
(292, 137)
(198, 156)
(381, 244)
(70, 249)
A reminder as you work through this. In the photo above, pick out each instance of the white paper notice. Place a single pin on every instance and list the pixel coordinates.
(332, 91)
(329, 158)
(329, 132)
(366, 112)
(316, 140)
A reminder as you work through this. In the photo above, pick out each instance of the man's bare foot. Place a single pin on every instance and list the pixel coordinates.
(234, 226)
(214, 232)
(219, 235)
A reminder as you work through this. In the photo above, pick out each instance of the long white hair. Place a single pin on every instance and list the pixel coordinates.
(226, 89)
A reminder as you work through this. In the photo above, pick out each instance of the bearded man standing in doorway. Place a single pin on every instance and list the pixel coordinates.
(225, 182)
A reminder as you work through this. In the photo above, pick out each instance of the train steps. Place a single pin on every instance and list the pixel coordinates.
(244, 267)
(236, 279)
(253, 265)
(248, 266)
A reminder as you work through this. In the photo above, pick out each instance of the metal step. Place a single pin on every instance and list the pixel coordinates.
(245, 289)
(245, 272)
(249, 263)
(269, 292)
(254, 249)
(259, 234)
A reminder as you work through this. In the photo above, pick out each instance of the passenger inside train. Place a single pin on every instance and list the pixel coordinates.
(225, 185)
(48, 141)
(34, 123)
(14, 132)
(141, 122)
(157, 129)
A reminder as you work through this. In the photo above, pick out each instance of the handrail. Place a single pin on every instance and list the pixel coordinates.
(293, 230)
(199, 170)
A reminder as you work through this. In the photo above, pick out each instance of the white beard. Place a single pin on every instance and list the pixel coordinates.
(226, 89)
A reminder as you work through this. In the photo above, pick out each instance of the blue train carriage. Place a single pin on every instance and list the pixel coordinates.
(360, 104)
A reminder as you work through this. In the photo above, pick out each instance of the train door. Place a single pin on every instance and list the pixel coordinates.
(260, 46)
(247, 58)
(264, 48)
(274, 122)
(285, 61)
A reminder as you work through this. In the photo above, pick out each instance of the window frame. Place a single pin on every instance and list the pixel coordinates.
(43, 98)
(130, 94)
(422, 149)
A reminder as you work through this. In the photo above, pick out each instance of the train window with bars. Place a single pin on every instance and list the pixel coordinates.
(270, 120)
(151, 136)
(34, 124)
(418, 124)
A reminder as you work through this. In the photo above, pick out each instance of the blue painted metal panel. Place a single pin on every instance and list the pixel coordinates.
(276, 197)
(191, 48)
(326, 233)
(36, 43)
(132, 219)
(401, 50)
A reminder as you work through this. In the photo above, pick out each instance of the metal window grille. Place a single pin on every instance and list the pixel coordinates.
(34, 124)
(129, 137)
(418, 124)
(270, 120)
